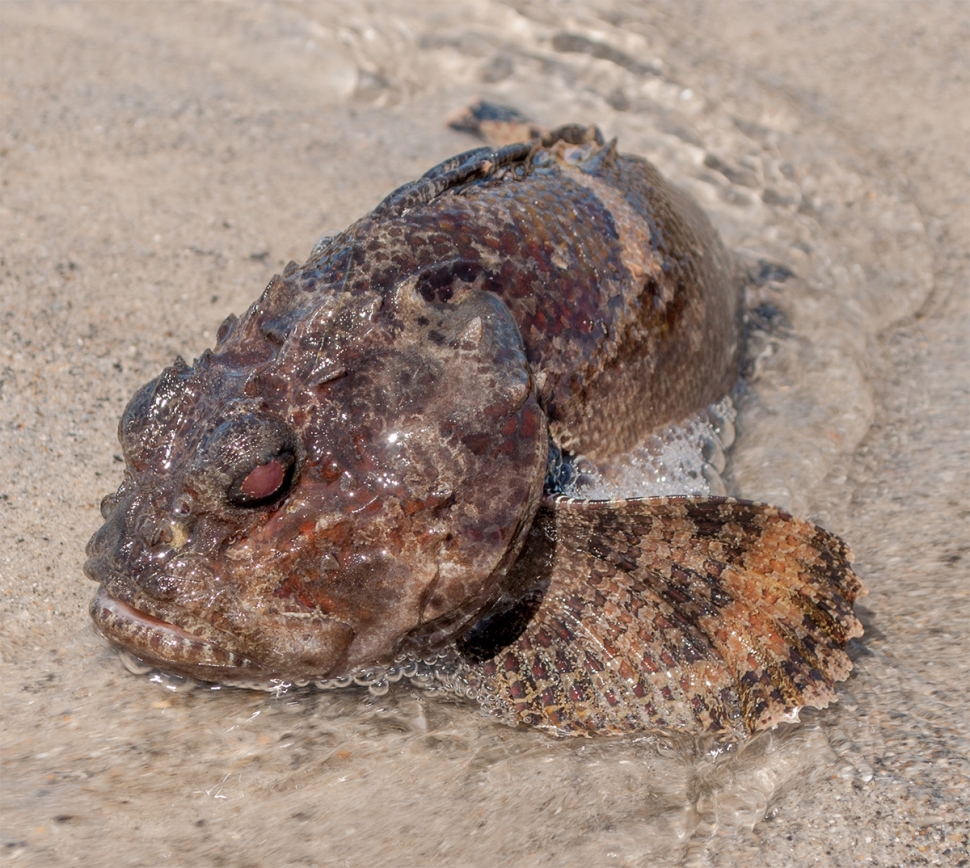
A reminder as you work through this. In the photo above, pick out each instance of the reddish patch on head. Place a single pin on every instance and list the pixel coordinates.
(263, 481)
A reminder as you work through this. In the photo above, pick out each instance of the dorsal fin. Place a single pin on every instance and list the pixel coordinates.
(474, 165)
(479, 164)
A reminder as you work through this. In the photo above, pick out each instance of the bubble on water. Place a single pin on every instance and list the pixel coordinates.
(367, 676)
(684, 459)
(133, 664)
(335, 683)
(379, 687)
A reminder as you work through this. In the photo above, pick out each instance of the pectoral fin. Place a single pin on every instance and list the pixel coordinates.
(696, 614)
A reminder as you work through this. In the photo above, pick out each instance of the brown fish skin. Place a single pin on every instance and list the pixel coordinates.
(612, 275)
(354, 473)
(699, 614)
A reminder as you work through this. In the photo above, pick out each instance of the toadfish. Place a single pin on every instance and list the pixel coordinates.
(363, 479)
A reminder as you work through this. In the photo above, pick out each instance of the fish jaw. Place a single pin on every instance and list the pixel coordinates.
(191, 617)
(160, 643)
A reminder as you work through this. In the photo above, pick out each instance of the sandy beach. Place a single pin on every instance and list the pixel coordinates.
(159, 163)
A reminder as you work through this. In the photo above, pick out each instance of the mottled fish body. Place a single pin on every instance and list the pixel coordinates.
(364, 470)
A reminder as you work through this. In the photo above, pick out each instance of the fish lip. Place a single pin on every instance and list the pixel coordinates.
(168, 646)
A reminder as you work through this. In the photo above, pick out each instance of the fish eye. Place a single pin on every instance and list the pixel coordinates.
(248, 460)
(264, 483)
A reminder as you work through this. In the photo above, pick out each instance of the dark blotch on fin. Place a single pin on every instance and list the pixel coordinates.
(697, 614)
(500, 628)
(526, 586)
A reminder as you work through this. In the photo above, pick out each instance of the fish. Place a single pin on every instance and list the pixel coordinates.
(366, 478)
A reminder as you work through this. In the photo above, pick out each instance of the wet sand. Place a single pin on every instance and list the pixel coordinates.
(160, 162)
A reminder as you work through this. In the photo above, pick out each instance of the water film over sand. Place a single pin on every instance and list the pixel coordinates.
(160, 162)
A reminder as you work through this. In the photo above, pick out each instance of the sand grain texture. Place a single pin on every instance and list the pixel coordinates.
(160, 162)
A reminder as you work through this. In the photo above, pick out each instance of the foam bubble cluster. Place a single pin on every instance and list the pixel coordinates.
(685, 459)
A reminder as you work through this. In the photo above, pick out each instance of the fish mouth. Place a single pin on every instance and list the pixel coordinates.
(167, 646)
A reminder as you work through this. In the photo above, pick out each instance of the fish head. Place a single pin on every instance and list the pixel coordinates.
(345, 477)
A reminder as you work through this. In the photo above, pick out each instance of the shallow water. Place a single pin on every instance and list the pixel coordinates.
(160, 167)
